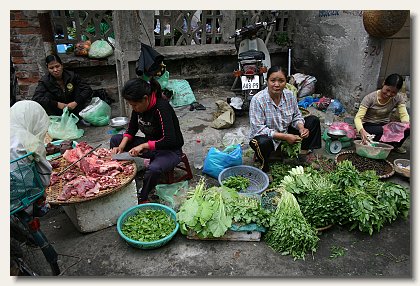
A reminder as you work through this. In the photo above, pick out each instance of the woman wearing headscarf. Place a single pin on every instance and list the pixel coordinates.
(28, 125)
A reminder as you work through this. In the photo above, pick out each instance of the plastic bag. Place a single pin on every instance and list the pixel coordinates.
(64, 127)
(338, 107)
(350, 130)
(100, 49)
(173, 195)
(394, 131)
(98, 112)
(225, 115)
(237, 137)
(216, 161)
(162, 80)
(182, 92)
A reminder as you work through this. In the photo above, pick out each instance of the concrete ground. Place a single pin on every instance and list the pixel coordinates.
(104, 254)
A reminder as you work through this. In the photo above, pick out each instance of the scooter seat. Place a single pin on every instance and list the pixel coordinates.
(251, 55)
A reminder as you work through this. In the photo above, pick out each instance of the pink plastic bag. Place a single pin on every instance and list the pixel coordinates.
(350, 130)
(394, 131)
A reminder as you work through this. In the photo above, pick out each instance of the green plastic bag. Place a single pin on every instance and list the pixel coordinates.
(173, 195)
(97, 113)
(100, 49)
(182, 92)
(162, 80)
(64, 127)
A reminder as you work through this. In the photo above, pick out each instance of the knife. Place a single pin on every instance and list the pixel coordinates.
(125, 156)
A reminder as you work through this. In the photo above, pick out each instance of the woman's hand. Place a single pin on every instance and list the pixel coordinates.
(138, 149)
(61, 105)
(364, 135)
(304, 132)
(72, 105)
(292, 139)
(117, 150)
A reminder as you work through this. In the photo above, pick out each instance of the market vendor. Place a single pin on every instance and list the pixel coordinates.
(376, 108)
(275, 118)
(156, 119)
(61, 88)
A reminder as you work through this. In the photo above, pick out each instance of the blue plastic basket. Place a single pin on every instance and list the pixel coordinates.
(258, 179)
(152, 244)
(25, 183)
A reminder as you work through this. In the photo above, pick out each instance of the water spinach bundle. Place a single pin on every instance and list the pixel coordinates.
(289, 232)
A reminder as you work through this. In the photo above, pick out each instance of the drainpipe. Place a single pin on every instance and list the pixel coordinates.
(289, 62)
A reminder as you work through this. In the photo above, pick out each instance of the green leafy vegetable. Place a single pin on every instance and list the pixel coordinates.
(292, 150)
(238, 183)
(289, 232)
(148, 225)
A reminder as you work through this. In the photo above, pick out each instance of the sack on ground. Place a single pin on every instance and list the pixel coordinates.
(64, 127)
(182, 92)
(216, 161)
(97, 113)
(225, 115)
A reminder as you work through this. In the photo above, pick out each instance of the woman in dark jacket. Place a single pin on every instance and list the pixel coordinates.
(61, 88)
(156, 119)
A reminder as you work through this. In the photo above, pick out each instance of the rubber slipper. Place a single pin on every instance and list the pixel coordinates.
(200, 106)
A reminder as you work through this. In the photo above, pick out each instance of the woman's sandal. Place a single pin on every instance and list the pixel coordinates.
(197, 106)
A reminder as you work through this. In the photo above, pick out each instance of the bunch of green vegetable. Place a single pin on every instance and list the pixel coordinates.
(148, 225)
(376, 204)
(278, 172)
(297, 181)
(292, 150)
(345, 175)
(289, 232)
(248, 209)
(206, 212)
(210, 212)
(238, 183)
(323, 203)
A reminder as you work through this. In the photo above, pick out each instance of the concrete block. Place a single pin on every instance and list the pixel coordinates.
(102, 212)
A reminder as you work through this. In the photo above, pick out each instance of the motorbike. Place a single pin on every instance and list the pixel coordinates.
(25, 228)
(253, 63)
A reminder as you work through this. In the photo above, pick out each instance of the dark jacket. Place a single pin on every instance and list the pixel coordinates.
(49, 92)
(159, 125)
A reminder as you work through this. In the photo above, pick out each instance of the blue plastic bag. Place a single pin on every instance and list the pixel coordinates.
(216, 161)
(338, 107)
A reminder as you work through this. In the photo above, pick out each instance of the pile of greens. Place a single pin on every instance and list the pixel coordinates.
(210, 212)
(291, 150)
(238, 183)
(148, 225)
(289, 232)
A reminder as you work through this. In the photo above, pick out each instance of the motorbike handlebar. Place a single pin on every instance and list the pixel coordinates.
(251, 28)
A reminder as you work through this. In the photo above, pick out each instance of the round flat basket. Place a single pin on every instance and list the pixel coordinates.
(402, 167)
(54, 191)
(258, 179)
(383, 168)
(143, 244)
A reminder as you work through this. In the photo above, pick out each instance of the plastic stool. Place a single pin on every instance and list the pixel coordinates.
(183, 165)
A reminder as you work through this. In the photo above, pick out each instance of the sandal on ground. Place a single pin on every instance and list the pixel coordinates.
(197, 106)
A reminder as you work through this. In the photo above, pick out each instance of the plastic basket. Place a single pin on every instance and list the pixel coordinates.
(152, 244)
(25, 183)
(258, 179)
(379, 151)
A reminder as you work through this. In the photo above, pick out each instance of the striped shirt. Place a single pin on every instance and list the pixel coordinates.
(266, 117)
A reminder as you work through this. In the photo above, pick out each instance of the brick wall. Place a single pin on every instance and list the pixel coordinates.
(26, 50)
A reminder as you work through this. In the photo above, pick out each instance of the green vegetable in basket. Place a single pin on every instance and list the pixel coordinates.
(148, 225)
(238, 183)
